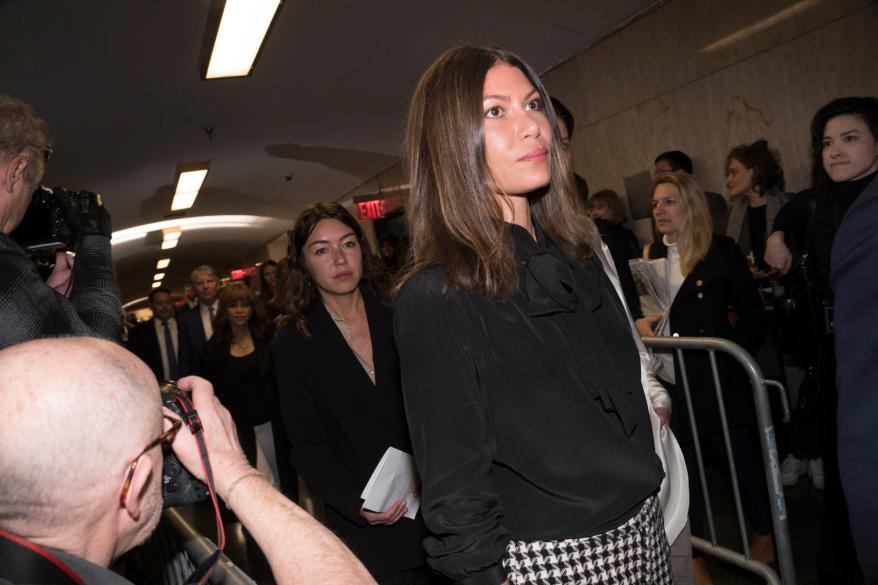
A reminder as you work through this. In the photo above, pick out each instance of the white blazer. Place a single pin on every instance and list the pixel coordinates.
(674, 492)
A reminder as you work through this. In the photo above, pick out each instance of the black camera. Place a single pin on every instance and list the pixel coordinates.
(179, 487)
(57, 217)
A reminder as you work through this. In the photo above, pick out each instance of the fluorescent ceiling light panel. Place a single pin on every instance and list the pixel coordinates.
(175, 226)
(188, 185)
(157, 284)
(162, 264)
(168, 244)
(158, 276)
(242, 30)
(134, 302)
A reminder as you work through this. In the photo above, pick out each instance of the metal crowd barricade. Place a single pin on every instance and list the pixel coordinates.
(176, 548)
(769, 455)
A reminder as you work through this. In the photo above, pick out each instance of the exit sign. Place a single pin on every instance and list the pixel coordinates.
(369, 207)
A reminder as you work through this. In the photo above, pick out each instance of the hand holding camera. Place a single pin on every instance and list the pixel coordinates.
(226, 456)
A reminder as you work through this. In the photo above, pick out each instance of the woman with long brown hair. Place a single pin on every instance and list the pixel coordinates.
(338, 379)
(524, 388)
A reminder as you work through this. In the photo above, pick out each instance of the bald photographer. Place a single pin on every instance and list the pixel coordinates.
(82, 470)
(81, 295)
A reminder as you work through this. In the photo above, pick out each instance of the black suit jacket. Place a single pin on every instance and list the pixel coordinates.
(855, 280)
(144, 343)
(340, 425)
(193, 338)
(719, 298)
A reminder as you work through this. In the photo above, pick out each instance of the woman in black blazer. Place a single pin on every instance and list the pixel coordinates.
(338, 379)
(714, 295)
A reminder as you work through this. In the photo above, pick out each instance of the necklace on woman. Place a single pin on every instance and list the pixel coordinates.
(244, 344)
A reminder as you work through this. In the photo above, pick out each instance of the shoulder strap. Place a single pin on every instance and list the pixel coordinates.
(22, 561)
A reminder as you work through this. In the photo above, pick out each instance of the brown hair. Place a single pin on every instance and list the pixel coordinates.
(763, 161)
(696, 234)
(300, 289)
(230, 295)
(612, 200)
(23, 132)
(456, 222)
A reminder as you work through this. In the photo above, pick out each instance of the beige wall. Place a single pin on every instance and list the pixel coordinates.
(656, 86)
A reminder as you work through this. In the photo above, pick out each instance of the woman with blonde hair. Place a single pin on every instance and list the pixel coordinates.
(532, 414)
(713, 295)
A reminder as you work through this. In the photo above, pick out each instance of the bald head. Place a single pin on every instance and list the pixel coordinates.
(75, 412)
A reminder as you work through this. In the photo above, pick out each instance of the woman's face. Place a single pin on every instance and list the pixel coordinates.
(850, 151)
(597, 209)
(517, 133)
(739, 179)
(239, 313)
(333, 257)
(667, 210)
(269, 273)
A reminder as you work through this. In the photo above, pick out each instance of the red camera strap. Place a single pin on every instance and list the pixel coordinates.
(26, 562)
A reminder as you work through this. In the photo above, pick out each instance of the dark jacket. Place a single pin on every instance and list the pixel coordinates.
(340, 425)
(623, 246)
(144, 343)
(217, 366)
(854, 279)
(32, 310)
(719, 298)
(192, 336)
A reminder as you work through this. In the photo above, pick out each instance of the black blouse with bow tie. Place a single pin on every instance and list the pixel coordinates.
(527, 416)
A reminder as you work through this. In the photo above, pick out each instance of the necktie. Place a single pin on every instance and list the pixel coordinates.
(169, 351)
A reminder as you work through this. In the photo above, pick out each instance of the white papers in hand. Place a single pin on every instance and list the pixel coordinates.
(393, 479)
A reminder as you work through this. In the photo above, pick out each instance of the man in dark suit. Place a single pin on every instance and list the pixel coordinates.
(196, 325)
(676, 160)
(157, 341)
(854, 282)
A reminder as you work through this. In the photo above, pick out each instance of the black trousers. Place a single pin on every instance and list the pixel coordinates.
(749, 471)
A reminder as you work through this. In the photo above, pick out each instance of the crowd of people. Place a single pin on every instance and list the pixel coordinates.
(502, 350)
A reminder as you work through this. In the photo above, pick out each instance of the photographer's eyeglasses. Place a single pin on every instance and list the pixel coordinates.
(165, 440)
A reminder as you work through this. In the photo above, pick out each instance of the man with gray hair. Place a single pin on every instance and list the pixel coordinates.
(30, 307)
(81, 461)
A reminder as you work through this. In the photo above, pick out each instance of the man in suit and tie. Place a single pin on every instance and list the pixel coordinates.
(196, 325)
(157, 342)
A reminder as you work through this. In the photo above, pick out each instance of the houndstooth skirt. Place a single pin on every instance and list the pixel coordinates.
(635, 553)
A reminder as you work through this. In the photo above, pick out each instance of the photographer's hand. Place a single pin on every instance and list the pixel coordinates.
(226, 456)
(299, 549)
(60, 278)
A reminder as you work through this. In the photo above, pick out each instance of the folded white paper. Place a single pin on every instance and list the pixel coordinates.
(393, 479)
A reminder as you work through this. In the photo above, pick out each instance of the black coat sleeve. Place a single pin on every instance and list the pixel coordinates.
(311, 451)
(743, 297)
(451, 435)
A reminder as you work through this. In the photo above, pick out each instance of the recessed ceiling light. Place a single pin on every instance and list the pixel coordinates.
(158, 276)
(188, 184)
(241, 33)
(168, 244)
(157, 284)
(162, 264)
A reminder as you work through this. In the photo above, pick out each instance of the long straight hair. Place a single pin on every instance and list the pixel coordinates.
(455, 219)
(301, 291)
(695, 236)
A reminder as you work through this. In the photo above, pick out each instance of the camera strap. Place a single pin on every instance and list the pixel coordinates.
(22, 561)
(193, 421)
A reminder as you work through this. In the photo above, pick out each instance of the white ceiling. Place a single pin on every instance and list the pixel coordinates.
(118, 82)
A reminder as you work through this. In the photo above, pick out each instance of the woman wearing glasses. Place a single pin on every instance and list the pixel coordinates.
(530, 408)
(714, 295)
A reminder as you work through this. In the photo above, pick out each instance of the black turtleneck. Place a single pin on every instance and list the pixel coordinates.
(527, 415)
(831, 205)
